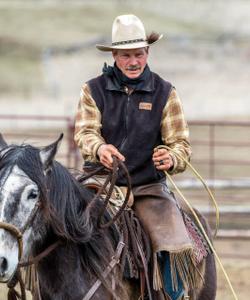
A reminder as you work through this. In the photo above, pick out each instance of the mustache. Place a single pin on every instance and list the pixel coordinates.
(133, 68)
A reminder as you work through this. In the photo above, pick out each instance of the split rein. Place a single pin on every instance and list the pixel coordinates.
(104, 189)
(18, 233)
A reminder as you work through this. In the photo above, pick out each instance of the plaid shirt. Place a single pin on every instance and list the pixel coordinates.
(174, 129)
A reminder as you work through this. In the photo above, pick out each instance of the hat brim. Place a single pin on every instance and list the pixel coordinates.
(128, 46)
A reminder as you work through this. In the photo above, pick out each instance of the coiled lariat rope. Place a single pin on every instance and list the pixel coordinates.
(195, 215)
(217, 212)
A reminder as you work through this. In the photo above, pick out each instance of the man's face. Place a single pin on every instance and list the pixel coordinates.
(131, 61)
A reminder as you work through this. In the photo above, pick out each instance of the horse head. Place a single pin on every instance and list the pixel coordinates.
(23, 171)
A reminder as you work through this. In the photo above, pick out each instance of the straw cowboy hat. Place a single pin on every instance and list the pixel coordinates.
(128, 32)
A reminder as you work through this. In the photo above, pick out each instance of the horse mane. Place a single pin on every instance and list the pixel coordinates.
(69, 216)
(65, 206)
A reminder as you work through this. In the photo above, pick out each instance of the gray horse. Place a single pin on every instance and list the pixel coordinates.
(40, 198)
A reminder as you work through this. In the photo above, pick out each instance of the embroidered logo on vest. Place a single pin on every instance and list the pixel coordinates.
(145, 105)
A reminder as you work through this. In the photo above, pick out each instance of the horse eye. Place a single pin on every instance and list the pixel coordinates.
(33, 194)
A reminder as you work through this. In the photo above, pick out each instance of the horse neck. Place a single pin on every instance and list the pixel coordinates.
(61, 275)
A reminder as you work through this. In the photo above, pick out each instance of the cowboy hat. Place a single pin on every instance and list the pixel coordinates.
(128, 32)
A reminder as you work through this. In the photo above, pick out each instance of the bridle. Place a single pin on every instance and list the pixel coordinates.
(18, 234)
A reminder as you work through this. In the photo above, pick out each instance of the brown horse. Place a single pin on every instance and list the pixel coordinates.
(30, 178)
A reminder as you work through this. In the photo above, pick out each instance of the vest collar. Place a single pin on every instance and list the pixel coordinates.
(113, 85)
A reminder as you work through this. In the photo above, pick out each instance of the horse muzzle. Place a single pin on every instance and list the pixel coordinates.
(8, 266)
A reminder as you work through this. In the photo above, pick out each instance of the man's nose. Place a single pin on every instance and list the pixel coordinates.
(133, 60)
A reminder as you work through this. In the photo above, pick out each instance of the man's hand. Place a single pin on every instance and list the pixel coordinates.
(162, 159)
(105, 153)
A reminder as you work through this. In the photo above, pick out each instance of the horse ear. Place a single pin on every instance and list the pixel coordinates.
(48, 153)
(3, 144)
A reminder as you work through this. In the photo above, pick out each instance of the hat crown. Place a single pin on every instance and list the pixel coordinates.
(127, 28)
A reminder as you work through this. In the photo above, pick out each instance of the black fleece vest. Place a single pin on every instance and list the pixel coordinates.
(132, 123)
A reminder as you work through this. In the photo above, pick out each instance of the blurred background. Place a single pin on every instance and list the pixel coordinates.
(47, 51)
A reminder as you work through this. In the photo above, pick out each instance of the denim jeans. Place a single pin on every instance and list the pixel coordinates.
(166, 272)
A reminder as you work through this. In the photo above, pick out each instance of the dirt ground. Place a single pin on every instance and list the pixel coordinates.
(236, 260)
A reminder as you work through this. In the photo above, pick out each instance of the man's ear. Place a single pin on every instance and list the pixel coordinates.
(114, 53)
(47, 154)
(3, 144)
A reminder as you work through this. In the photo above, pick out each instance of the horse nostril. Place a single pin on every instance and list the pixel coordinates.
(3, 266)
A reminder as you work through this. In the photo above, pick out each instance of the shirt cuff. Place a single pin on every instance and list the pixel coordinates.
(174, 160)
(95, 150)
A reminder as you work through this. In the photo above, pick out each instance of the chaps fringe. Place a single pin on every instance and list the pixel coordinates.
(157, 278)
(183, 263)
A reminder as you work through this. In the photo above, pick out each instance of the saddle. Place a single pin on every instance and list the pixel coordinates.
(136, 235)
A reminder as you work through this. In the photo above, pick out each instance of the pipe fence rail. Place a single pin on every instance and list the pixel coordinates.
(220, 152)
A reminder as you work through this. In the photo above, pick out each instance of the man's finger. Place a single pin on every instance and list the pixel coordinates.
(106, 163)
(159, 152)
(118, 154)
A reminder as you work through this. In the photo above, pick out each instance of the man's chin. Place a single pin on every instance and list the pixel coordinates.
(133, 75)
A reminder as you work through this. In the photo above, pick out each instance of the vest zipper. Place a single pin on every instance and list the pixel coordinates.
(126, 119)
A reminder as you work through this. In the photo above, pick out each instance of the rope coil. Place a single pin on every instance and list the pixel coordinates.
(195, 215)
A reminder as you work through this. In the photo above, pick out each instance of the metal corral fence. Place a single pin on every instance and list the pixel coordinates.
(41, 131)
(221, 153)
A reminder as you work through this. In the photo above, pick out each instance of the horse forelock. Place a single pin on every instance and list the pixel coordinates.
(27, 159)
(19, 170)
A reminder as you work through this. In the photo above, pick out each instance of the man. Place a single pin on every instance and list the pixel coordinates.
(130, 112)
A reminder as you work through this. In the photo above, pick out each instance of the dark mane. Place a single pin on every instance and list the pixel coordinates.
(64, 204)
(69, 217)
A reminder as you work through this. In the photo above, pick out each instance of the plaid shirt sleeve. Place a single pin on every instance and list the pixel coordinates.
(88, 126)
(175, 132)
